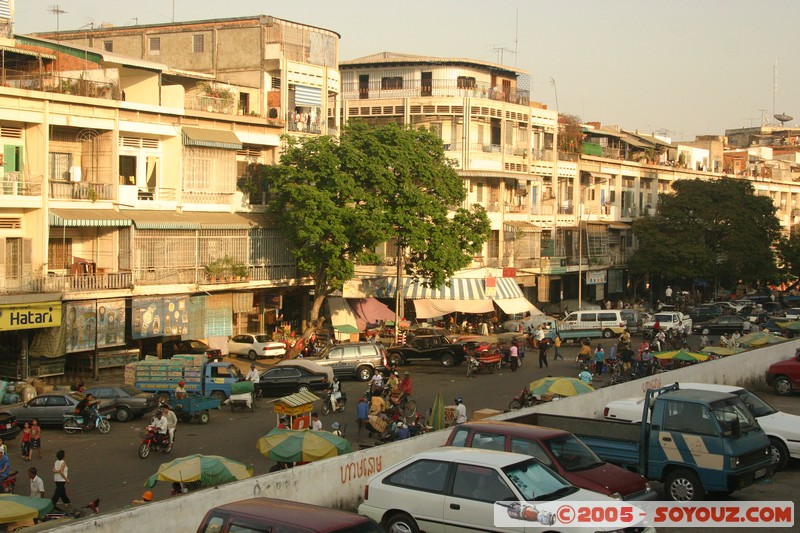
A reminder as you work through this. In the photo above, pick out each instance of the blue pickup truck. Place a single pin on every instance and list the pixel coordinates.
(696, 442)
(203, 379)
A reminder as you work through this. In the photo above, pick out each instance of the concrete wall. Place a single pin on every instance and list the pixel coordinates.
(339, 482)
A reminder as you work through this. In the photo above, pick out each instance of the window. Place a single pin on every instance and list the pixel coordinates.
(388, 84)
(424, 475)
(589, 317)
(460, 438)
(198, 43)
(108, 46)
(57, 401)
(481, 484)
(689, 418)
(59, 253)
(60, 164)
(127, 170)
(607, 317)
(465, 82)
(155, 46)
(532, 448)
(489, 441)
(13, 257)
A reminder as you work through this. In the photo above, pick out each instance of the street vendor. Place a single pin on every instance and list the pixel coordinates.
(180, 391)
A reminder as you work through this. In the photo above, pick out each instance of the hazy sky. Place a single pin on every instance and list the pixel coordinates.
(678, 67)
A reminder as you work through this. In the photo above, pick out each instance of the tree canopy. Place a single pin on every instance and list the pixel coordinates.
(336, 200)
(709, 229)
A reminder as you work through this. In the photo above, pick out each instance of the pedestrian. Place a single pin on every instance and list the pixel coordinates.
(585, 376)
(61, 478)
(362, 413)
(37, 485)
(25, 441)
(461, 411)
(668, 294)
(599, 356)
(557, 344)
(544, 345)
(3, 447)
(316, 423)
(36, 437)
(513, 356)
(336, 429)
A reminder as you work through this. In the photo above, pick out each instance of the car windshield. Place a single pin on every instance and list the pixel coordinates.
(263, 338)
(197, 344)
(536, 482)
(573, 454)
(130, 391)
(662, 318)
(726, 411)
(756, 405)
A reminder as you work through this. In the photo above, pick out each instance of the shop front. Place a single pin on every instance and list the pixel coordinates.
(20, 324)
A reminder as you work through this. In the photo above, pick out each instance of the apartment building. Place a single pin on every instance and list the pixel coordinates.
(128, 212)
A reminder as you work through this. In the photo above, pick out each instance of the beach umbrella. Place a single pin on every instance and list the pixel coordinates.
(721, 350)
(15, 508)
(210, 470)
(792, 325)
(295, 446)
(758, 338)
(559, 385)
(682, 355)
(437, 413)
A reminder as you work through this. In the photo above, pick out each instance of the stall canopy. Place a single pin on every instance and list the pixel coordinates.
(429, 308)
(369, 311)
(509, 298)
(342, 315)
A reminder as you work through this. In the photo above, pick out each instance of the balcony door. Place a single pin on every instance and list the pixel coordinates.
(426, 85)
(363, 86)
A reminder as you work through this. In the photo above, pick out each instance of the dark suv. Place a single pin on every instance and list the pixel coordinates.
(358, 360)
(704, 313)
(428, 348)
(188, 346)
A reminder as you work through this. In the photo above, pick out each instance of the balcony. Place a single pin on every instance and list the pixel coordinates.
(442, 88)
(81, 190)
(211, 104)
(53, 83)
(15, 184)
(56, 282)
(303, 123)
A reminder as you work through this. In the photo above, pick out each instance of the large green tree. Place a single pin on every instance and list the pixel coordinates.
(337, 199)
(709, 229)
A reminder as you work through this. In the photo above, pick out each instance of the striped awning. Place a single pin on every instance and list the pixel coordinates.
(459, 289)
(307, 96)
(211, 138)
(507, 288)
(151, 219)
(74, 218)
(297, 399)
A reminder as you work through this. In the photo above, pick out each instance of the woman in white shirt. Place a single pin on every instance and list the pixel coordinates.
(61, 478)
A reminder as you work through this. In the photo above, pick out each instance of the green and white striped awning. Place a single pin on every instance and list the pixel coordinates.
(193, 220)
(211, 138)
(76, 218)
(298, 399)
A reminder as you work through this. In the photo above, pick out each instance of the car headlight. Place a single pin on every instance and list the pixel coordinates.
(647, 487)
(735, 462)
(616, 496)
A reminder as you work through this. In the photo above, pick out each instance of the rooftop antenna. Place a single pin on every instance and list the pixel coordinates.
(57, 11)
(516, 38)
(555, 90)
(783, 118)
(775, 87)
(499, 49)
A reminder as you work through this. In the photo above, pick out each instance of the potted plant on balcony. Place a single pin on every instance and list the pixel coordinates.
(241, 271)
(215, 270)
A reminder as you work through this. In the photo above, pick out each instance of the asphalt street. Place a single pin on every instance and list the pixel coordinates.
(108, 466)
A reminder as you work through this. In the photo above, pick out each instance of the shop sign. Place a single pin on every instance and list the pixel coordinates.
(491, 288)
(30, 316)
(156, 317)
(596, 277)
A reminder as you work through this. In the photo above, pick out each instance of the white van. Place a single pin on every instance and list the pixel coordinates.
(606, 323)
(782, 428)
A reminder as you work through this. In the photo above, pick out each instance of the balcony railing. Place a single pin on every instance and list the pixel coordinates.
(161, 194)
(81, 190)
(54, 83)
(14, 184)
(210, 104)
(55, 282)
(435, 88)
(303, 123)
(202, 197)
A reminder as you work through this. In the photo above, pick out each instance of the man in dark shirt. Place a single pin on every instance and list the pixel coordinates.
(82, 409)
(627, 356)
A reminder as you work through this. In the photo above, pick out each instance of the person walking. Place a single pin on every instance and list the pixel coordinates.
(557, 344)
(61, 478)
(26, 442)
(362, 413)
(37, 485)
(461, 411)
(513, 356)
(599, 357)
(544, 345)
(36, 437)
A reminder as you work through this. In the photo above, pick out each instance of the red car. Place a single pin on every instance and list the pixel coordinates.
(559, 450)
(784, 376)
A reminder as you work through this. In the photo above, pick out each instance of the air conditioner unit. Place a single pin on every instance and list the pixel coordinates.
(273, 112)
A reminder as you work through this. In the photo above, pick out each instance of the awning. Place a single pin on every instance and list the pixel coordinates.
(513, 306)
(507, 288)
(426, 308)
(151, 219)
(21, 51)
(211, 138)
(522, 226)
(369, 311)
(341, 314)
(618, 225)
(346, 328)
(459, 289)
(223, 221)
(299, 398)
(73, 218)
(307, 96)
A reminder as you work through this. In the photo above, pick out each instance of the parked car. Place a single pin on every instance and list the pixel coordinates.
(429, 331)
(358, 360)
(528, 323)
(793, 313)
(428, 348)
(188, 346)
(128, 401)
(565, 307)
(668, 320)
(559, 450)
(49, 408)
(255, 345)
(8, 426)
(720, 325)
(447, 488)
(704, 313)
(757, 315)
(270, 514)
(773, 308)
(784, 376)
(295, 375)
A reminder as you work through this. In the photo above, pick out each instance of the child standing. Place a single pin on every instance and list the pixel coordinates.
(26, 441)
(36, 438)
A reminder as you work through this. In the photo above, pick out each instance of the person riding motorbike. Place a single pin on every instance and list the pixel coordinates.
(172, 421)
(335, 394)
(82, 410)
(161, 425)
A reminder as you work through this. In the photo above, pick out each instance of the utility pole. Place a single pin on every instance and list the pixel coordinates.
(57, 11)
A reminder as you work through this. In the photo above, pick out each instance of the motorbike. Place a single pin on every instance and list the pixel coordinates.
(485, 361)
(75, 422)
(585, 362)
(8, 484)
(525, 399)
(405, 405)
(57, 512)
(154, 441)
(341, 402)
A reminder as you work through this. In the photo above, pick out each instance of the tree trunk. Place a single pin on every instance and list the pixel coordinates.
(313, 324)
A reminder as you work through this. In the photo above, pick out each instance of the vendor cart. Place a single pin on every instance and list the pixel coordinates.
(297, 408)
(193, 408)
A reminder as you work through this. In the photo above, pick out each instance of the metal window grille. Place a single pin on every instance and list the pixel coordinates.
(13, 257)
(198, 43)
(59, 253)
(209, 170)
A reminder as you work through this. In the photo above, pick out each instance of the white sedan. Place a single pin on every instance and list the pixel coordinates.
(255, 345)
(793, 313)
(455, 489)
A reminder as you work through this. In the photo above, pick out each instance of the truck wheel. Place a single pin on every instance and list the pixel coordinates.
(219, 395)
(447, 359)
(395, 359)
(683, 485)
(607, 333)
(783, 386)
(204, 417)
(364, 373)
(780, 454)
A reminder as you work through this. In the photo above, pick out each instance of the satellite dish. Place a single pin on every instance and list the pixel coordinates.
(783, 118)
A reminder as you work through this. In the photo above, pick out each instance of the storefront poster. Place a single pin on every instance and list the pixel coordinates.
(156, 317)
(110, 323)
(81, 325)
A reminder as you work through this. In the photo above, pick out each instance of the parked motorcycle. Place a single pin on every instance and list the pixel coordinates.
(8, 484)
(155, 442)
(75, 422)
(484, 361)
(58, 512)
(525, 399)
